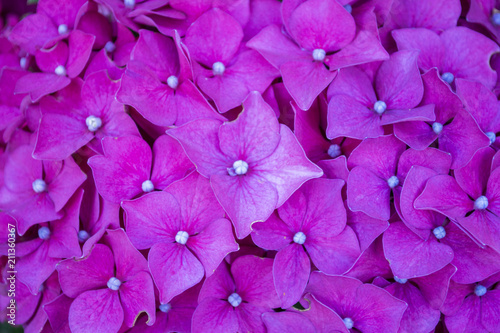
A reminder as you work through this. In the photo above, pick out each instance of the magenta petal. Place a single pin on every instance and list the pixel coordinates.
(432, 50)
(80, 48)
(291, 271)
(38, 261)
(137, 296)
(249, 318)
(254, 135)
(273, 234)
(33, 32)
(58, 313)
(367, 229)
(431, 158)
(96, 310)
(490, 306)
(368, 193)
(284, 322)
(371, 263)
(174, 269)
(434, 287)
(120, 173)
(93, 272)
(469, 316)
(66, 183)
(40, 84)
(410, 256)
(213, 243)
(473, 177)
(128, 260)
(296, 73)
(416, 134)
(443, 194)
(484, 226)
(323, 318)
(215, 315)
(219, 285)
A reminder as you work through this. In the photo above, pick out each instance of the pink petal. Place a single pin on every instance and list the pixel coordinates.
(137, 296)
(279, 322)
(215, 315)
(273, 234)
(80, 48)
(473, 177)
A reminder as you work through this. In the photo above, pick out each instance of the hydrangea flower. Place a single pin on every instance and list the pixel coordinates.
(223, 70)
(82, 115)
(186, 230)
(158, 83)
(311, 227)
(233, 300)
(314, 46)
(36, 191)
(363, 307)
(110, 287)
(254, 163)
(128, 167)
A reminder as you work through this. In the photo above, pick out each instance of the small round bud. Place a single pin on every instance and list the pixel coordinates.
(62, 29)
(348, 8)
(234, 299)
(480, 290)
(334, 151)
(398, 280)
(218, 68)
(93, 123)
(114, 284)
(147, 186)
(83, 236)
(348, 323)
(130, 4)
(182, 237)
(23, 62)
(173, 81)
(110, 47)
(379, 107)
(299, 238)
(319, 54)
(39, 186)
(240, 167)
(437, 128)
(495, 19)
(448, 77)
(439, 232)
(44, 233)
(393, 181)
(491, 135)
(60, 70)
(481, 203)
(165, 307)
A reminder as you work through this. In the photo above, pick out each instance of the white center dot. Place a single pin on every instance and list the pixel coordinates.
(62, 29)
(379, 107)
(334, 151)
(39, 186)
(348, 323)
(110, 46)
(234, 299)
(481, 203)
(182, 237)
(83, 236)
(480, 290)
(147, 186)
(218, 68)
(93, 123)
(393, 181)
(114, 284)
(165, 307)
(299, 238)
(439, 232)
(492, 136)
(173, 81)
(448, 77)
(319, 54)
(398, 280)
(437, 128)
(44, 233)
(239, 168)
(60, 70)
(130, 4)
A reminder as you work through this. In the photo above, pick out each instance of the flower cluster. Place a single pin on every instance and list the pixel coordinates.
(250, 166)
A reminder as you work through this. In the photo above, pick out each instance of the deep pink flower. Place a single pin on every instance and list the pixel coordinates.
(311, 227)
(254, 163)
(233, 300)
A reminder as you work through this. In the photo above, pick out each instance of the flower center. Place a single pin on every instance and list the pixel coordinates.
(348, 8)
(60, 70)
(398, 280)
(334, 151)
(44, 233)
(393, 181)
(147, 186)
(439, 232)
(495, 19)
(480, 290)
(379, 107)
(481, 203)
(319, 55)
(299, 238)
(110, 46)
(93, 123)
(62, 29)
(448, 77)
(234, 299)
(491, 135)
(348, 323)
(173, 81)
(39, 186)
(130, 4)
(239, 168)
(218, 68)
(165, 307)
(437, 128)
(182, 237)
(83, 236)
(23, 62)
(114, 284)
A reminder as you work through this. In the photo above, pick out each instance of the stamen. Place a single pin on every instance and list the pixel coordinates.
(147, 186)
(437, 128)
(39, 186)
(218, 68)
(239, 168)
(398, 280)
(319, 54)
(130, 4)
(379, 107)
(114, 284)
(110, 47)
(44, 233)
(83, 236)
(182, 237)
(481, 203)
(393, 181)
(348, 323)
(165, 307)
(62, 29)
(480, 290)
(234, 299)
(439, 232)
(495, 18)
(491, 135)
(448, 77)
(299, 238)
(173, 82)
(93, 123)
(60, 70)
(334, 151)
